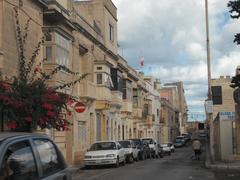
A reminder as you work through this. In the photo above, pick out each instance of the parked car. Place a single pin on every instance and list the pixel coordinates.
(31, 156)
(131, 152)
(172, 147)
(166, 148)
(160, 151)
(186, 136)
(152, 145)
(143, 150)
(105, 153)
(179, 142)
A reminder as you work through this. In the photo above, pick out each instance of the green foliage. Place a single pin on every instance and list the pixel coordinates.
(235, 14)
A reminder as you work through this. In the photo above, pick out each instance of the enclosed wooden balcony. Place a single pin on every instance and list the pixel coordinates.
(103, 93)
(87, 89)
(117, 98)
(127, 106)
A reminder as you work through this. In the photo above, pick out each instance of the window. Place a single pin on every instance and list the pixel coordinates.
(99, 68)
(217, 95)
(82, 134)
(18, 161)
(99, 78)
(57, 49)
(49, 53)
(48, 37)
(62, 50)
(116, 77)
(49, 158)
(127, 90)
(111, 32)
(136, 97)
(145, 111)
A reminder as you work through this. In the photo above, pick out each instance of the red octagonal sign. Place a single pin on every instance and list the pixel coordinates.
(80, 107)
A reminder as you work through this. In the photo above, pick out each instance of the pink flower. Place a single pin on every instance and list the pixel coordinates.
(69, 113)
(51, 113)
(47, 106)
(12, 125)
(28, 119)
(37, 69)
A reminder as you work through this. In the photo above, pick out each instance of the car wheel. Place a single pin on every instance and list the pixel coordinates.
(160, 155)
(169, 153)
(117, 163)
(137, 158)
(87, 167)
(124, 162)
(131, 159)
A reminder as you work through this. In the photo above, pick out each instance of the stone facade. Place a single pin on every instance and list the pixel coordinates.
(169, 113)
(222, 102)
(120, 102)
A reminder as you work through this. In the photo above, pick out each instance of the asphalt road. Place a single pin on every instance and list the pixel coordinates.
(178, 166)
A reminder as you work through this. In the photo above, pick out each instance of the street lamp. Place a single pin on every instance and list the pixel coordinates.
(209, 114)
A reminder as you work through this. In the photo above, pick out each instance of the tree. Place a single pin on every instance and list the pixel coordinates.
(26, 100)
(235, 14)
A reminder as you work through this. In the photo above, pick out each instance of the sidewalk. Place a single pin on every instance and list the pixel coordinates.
(219, 165)
(76, 169)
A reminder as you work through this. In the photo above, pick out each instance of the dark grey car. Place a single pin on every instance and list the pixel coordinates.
(31, 157)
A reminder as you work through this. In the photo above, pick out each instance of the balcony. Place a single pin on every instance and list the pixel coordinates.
(57, 11)
(117, 97)
(87, 89)
(103, 93)
(127, 106)
(137, 112)
(60, 78)
(148, 120)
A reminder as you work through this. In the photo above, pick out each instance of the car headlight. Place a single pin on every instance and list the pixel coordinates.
(88, 157)
(110, 155)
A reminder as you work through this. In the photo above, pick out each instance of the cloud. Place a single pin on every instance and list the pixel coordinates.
(172, 38)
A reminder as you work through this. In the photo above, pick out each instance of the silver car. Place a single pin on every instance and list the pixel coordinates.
(31, 156)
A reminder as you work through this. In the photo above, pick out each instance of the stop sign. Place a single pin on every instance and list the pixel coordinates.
(80, 107)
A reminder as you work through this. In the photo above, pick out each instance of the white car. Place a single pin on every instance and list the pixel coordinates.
(105, 153)
(166, 148)
(172, 147)
(131, 152)
(152, 145)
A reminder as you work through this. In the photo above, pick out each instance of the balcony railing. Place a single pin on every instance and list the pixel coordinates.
(87, 89)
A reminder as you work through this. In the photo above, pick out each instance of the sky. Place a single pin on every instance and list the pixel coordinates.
(171, 36)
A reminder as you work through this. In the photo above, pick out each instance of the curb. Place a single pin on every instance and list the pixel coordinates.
(75, 169)
(222, 166)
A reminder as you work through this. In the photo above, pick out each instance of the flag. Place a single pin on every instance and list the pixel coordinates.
(142, 61)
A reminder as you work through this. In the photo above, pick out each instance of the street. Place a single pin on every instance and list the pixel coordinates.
(178, 166)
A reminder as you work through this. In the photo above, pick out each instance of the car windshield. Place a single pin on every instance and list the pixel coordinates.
(125, 144)
(147, 141)
(178, 140)
(137, 142)
(103, 146)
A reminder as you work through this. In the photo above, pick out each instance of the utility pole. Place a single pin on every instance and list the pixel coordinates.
(209, 115)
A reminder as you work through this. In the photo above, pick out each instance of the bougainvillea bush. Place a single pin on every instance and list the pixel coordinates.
(26, 101)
